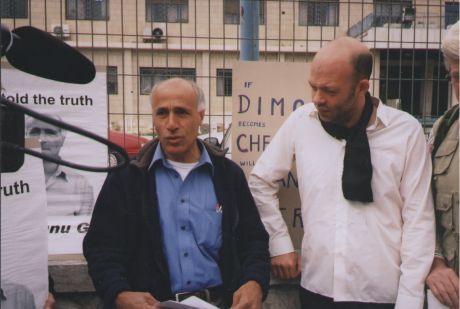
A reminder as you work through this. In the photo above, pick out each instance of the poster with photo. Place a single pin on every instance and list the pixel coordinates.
(264, 94)
(70, 193)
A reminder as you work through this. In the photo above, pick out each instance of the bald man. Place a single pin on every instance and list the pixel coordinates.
(179, 221)
(364, 182)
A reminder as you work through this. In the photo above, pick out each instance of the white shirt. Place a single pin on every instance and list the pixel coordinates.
(68, 194)
(182, 168)
(376, 252)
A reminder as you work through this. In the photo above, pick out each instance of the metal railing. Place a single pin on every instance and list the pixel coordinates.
(142, 41)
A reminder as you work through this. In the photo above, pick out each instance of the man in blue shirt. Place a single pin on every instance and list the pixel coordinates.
(179, 220)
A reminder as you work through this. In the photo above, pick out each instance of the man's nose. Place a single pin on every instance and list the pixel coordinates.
(318, 98)
(171, 122)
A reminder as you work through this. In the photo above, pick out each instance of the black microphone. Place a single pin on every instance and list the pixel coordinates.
(36, 52)
(11, 131)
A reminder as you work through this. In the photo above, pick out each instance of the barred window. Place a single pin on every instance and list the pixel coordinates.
(418, 90)
(319, 13)
(13, 8)
(232, 12)
(451, 15)
(150, 76)
(172, 11)
(112, 80)
(87, 9)
(224, 82)
(389, 11)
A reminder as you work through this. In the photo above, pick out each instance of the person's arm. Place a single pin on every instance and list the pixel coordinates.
(252, 250)
(286, 266)
(443, 282)
(105, 246)
(50, 301)
(284, 261)
(418, 235)
(248, 296)
(135, 300)
(274, 164)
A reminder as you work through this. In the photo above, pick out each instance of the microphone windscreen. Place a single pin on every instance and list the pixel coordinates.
(39, 53)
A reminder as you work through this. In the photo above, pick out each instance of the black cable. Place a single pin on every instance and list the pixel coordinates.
(68, 127)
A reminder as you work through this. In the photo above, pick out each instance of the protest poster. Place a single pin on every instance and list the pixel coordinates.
(264, 94)
(70, 193)
(24, 255)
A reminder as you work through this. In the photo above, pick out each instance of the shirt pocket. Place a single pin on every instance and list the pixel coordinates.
(210, 228)
(447, 211)
(444, 156)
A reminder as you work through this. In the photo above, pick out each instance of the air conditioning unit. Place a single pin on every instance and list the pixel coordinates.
(408, 15)
(61, 31)
(156, 33)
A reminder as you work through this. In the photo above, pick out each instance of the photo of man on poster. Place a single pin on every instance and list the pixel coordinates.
(68, 193)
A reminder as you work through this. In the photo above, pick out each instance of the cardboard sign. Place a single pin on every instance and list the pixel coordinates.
(264, 94)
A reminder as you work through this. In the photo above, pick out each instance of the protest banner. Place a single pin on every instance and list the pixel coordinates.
(71, 193)
(24, 256)
(264, 94)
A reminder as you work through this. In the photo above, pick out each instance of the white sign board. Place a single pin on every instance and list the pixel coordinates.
(24, 256)
(70, 193)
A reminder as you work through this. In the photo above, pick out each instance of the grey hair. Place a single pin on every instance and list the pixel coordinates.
(200, 98)
(30, 121)
(449, 45)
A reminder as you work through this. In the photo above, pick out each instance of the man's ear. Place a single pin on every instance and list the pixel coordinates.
(201, 116)
(363, 86)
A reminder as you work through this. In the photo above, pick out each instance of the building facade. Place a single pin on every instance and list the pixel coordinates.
(139, 42)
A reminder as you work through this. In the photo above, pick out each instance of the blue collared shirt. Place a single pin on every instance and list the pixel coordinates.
(191, 221)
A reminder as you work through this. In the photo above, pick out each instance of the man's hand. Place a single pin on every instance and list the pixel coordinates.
(49, 302)
(248, 296)
(135, 300)
(286, 266)
(443, 282)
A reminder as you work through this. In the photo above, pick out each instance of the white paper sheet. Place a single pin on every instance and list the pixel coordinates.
(192, 302)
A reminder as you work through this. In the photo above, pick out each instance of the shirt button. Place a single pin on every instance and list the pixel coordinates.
(182, 227)
(182, 200)
(188, 282)
(185, 254)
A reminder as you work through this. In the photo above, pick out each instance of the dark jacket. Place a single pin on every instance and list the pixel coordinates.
(124, 248)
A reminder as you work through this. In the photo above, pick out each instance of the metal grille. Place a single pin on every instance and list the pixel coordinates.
(13, 8)
(143, 41)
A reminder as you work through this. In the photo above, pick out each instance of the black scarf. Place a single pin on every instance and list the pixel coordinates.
(357, 166)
